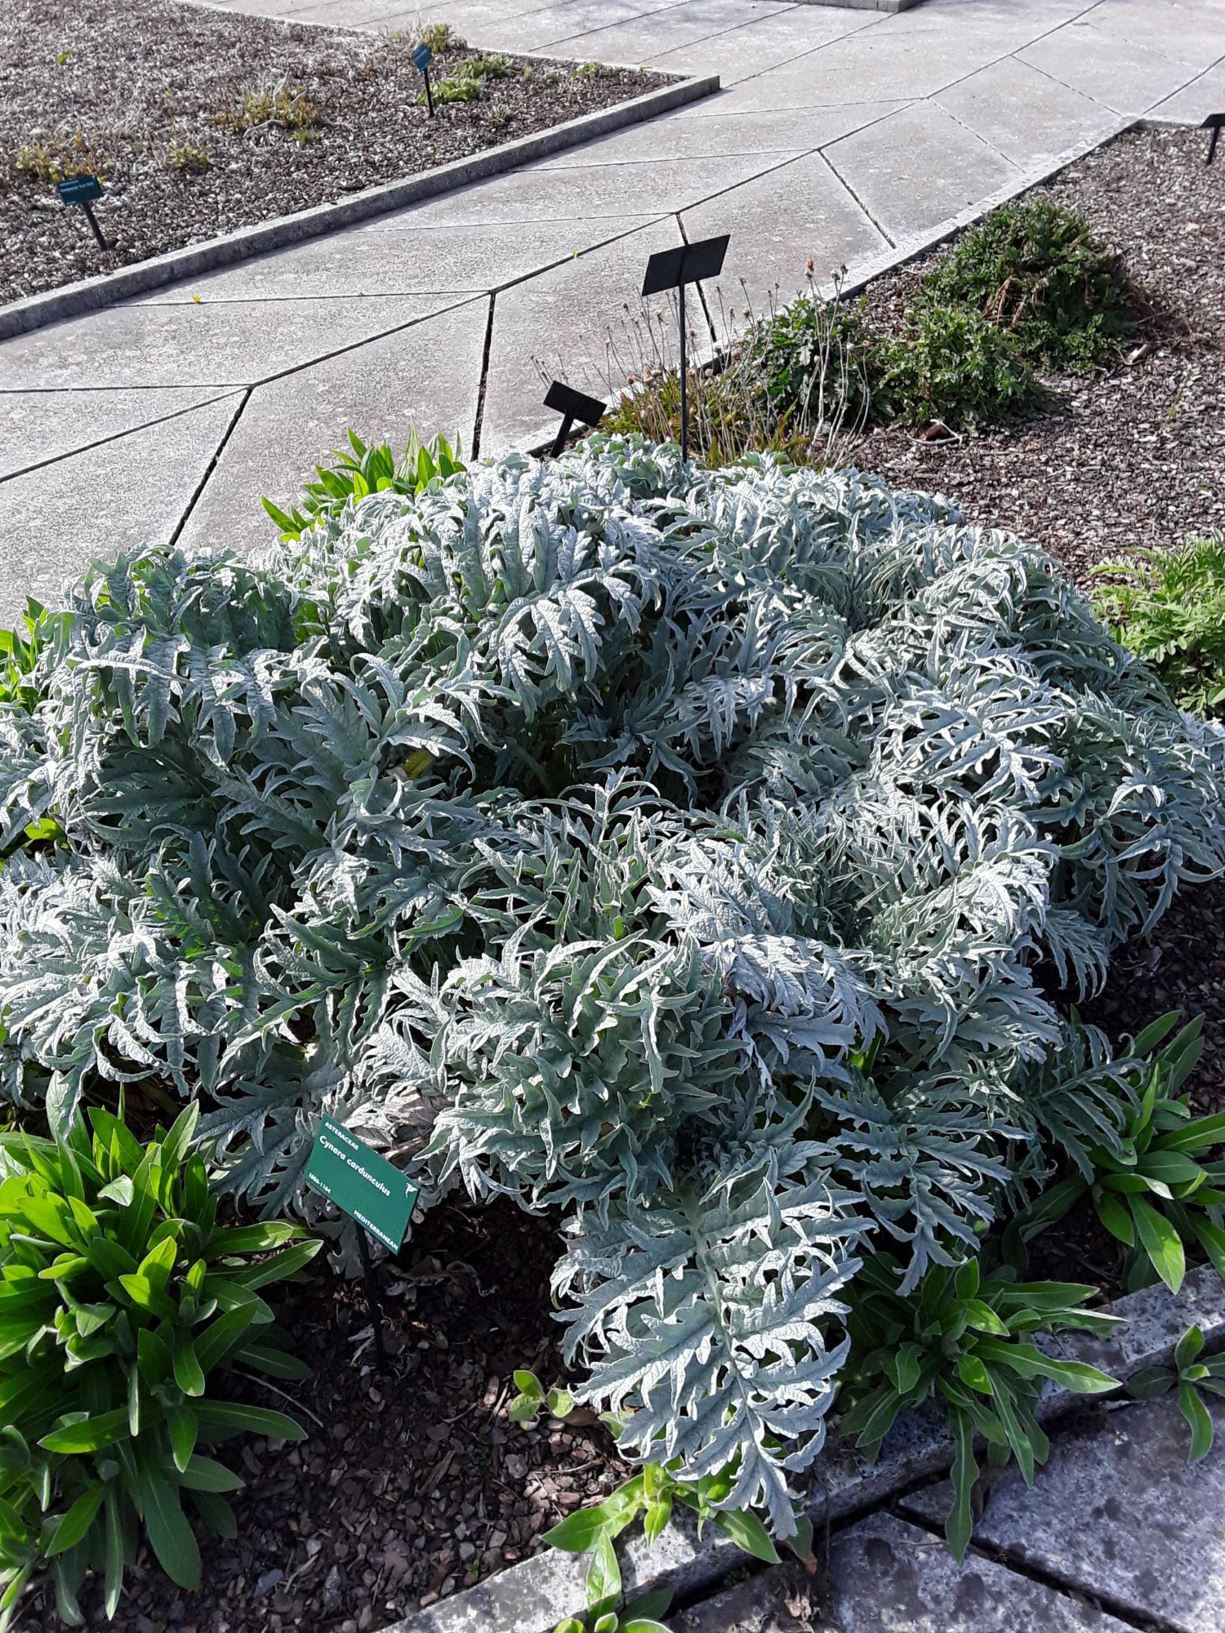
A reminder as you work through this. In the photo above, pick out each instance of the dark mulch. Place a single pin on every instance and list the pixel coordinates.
(118, 86)
(412, 1484)
(1130, 457)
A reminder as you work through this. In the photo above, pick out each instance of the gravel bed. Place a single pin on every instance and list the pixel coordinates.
(144, 92)
(413, 1484)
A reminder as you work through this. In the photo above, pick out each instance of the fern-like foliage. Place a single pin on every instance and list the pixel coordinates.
(696, 851)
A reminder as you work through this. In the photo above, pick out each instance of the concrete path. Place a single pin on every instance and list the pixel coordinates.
(844, 136)
(1116, 1533)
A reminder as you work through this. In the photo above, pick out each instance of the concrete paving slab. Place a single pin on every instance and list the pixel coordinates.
(545, 192)
(639, 38)
(1186, 33)
(1117, 1511)
(535, 29)
(1023, 113)
(796, 129)
(764, 43)
(889, 1577)
(873, 65)
(37, 427)
(426, 376)
(1197, 100)
(412, 259)
(559, 323)
(770, 247)
(1128, 78)
(146, 343)
(917, 168)
(127, 493)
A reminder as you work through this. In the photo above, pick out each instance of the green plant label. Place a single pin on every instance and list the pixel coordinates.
(361, 1183)
(79, 189)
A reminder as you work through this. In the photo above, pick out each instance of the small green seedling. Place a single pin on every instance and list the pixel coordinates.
(533, 1398)
(1189, 1374)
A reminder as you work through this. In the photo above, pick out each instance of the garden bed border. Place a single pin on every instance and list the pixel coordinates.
(534, 1596)
(88, 294)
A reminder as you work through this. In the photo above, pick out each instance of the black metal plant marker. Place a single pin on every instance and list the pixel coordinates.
(1213, 123)
(84, 190)
(572, 405)
(422, 58)
(673, 269)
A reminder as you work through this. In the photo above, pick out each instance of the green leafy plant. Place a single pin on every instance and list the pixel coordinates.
(1036, 271)
(950, 366)
(963, 1339)
(532, 1398)
(1188, 1375)
(588, 70)
(1153, 1183)
(650, 1496)
(187, 159)
(685, 851)
(362, 470)
(58, 157)
(121, 1298)
(285, 106)
(441, 37)
(1168, 607)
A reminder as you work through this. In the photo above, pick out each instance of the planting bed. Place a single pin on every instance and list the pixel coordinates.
(1120, 459)
(145, 91)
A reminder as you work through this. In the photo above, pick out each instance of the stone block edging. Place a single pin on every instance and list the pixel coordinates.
(88, 294)
(533, 1596)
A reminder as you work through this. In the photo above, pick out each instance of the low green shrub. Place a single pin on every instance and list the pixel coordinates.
(1168, 606)
(949, 366)
(1035, 270)
(121, 1298)
(442, 37)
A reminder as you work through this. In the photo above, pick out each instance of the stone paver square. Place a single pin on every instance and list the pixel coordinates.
(1128, 78)
(426, 376)
(1117, 1511)
(770, 247)
(1188, 33)
(780, 133)
(764, 43)
(639, 38)
(145, 343)
(889, 1577)
(37, 427)
(917, 168)
(585, 192)
(124, 494)
(409, 258)
(1024, 113)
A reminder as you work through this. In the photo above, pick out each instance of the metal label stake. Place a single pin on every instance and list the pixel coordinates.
(572, 405)
(84, 191)
(675, 269)
(422, 58)
(375, 1195)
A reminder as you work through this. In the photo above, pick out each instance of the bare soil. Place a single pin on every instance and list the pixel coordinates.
(152, 97)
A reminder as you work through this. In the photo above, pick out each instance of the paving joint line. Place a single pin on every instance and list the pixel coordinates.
(128, 431)
(478, 419)
(853, 195)
(688, 45)
(1019, 1565)
(213, 462)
